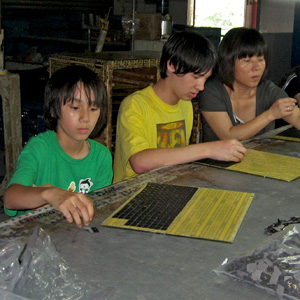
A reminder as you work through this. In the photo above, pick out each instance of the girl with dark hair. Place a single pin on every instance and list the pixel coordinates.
(239, 102)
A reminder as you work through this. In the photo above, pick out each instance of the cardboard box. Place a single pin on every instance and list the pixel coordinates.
(149, 26)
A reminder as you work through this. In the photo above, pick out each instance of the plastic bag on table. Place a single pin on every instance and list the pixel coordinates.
(273, 266)
(36, 271)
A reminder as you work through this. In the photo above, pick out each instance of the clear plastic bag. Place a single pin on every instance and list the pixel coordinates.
(34, 270)
(273, 266)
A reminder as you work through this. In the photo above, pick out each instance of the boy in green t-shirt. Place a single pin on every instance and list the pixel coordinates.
(60, 166)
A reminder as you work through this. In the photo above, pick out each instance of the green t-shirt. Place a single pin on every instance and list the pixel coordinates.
(43, 161)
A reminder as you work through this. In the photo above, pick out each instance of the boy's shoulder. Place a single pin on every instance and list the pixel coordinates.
(98, 148)
(144, 94)
(47, 137)
(97, 145)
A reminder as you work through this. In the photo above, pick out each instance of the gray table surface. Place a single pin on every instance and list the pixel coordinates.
(138, 265)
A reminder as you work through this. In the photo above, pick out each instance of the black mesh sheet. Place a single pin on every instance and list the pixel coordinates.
(156, 206)
(291, 132)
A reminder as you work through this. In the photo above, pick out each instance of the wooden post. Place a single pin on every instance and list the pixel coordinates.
(1, 47)
(11, 104)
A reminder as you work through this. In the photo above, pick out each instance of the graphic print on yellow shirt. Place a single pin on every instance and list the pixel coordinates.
(171, 135)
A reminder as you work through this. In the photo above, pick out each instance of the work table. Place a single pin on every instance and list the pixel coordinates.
(127, 264)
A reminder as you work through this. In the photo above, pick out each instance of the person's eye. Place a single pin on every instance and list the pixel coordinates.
(74, 107)
(197, 76)
(94, 109)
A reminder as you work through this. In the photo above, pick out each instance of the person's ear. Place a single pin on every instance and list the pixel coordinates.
(54, 114)
(170, 67)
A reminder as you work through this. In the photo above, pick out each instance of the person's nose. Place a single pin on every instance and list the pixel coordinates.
(84, 115)
(256, 65)
(200, 84)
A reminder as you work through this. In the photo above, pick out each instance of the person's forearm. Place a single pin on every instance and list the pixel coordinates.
(296, 124)
(249, 129)
(18, 196)
(146, 160)
(150, 159)
(294, 119)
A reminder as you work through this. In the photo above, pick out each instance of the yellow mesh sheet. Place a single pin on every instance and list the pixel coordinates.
(270, 165)
(212, 214)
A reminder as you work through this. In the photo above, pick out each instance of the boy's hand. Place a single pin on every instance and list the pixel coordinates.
(228, 150)
(74, 206)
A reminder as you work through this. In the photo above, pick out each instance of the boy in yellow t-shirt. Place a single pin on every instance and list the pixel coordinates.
(154, 125)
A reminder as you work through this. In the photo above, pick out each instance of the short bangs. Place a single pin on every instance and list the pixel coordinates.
(194, 58)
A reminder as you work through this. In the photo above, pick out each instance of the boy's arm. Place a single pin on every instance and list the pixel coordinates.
(72, 205)
(146, 160)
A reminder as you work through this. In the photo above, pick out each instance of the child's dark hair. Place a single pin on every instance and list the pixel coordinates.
(239, 43)
(188, 52)
(61, 88)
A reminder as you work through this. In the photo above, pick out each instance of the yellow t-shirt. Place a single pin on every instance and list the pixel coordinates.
(146, 122)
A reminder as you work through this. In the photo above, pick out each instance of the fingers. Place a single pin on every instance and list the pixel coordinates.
(228, 150)
(288, 101)
(290, 108)
(286, 106)
(237, 157)
(238, 151)
(85, 209)
(239, 146)
(77, 208)
(91, 210)
(67, 214)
